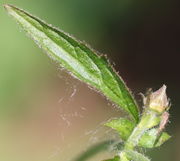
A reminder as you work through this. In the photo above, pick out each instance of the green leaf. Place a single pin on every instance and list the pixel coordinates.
(79, 59)
(116, 158)
(135, 156)
(163, 138)
(123, 126)
(94, 150)
(151, 139)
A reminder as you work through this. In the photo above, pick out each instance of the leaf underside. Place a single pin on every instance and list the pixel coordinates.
(123, 126)
(77, 58)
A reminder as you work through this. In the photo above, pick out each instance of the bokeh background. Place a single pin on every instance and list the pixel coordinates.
(45, 115)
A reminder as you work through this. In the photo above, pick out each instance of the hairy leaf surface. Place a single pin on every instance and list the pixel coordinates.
(79, 59)
(123, 126)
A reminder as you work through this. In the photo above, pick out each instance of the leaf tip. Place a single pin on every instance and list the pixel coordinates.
(10, 8)
(7, 6)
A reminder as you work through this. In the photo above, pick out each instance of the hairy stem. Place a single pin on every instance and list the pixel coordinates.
(148, 120)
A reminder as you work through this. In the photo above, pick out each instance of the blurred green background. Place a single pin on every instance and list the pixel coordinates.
(45, 115)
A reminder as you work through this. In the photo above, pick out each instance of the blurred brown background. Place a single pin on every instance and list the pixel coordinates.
(45, 115)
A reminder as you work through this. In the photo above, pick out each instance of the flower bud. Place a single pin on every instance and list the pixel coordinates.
(158, 100)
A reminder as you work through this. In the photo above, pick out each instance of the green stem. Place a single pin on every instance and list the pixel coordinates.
(148, 120)
(123, 156)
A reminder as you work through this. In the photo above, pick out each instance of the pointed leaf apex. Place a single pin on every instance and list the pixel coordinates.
(7, 6)
(77, 58)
